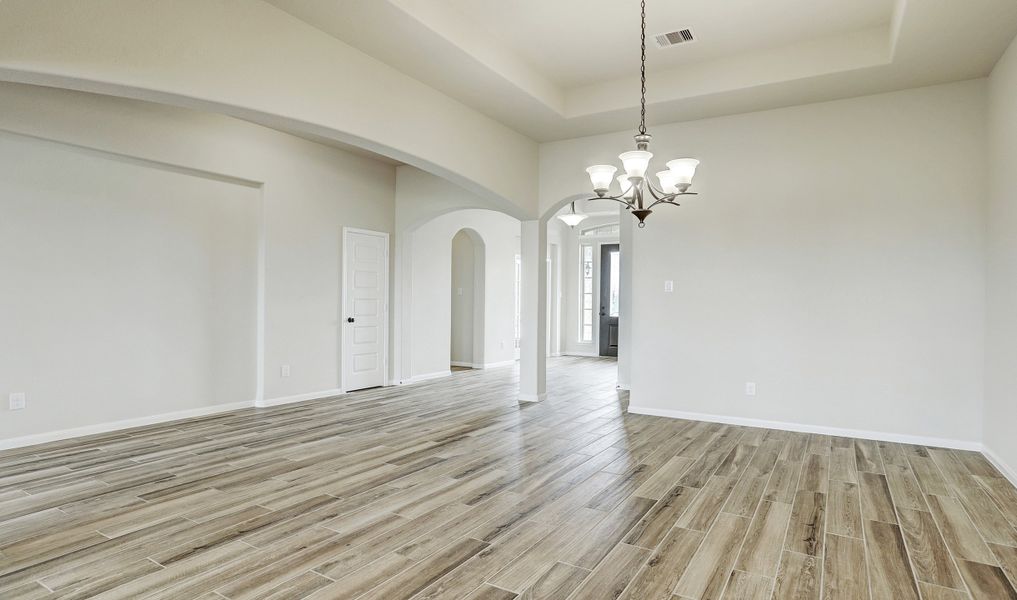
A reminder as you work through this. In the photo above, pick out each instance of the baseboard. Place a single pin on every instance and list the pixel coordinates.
(98, 428)
(428, 376)
(579, 353)
(532, 397)
(65, 434)
(1007, 471)
(835, 431)
(495, 365)
(298, 398)
(490, 365)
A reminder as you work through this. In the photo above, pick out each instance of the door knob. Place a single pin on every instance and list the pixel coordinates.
(349, 319)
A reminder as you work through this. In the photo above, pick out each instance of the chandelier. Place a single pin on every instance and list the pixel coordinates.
(572, 218)
(635, 186)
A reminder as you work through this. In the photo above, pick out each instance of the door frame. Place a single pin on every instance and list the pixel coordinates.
(592, 347)
(604, 289)
(341, 320)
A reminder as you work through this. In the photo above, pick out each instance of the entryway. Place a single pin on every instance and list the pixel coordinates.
(610, 286)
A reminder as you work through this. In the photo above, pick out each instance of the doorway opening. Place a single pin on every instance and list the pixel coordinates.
(467, 330)
(610, 289)
(594, 320)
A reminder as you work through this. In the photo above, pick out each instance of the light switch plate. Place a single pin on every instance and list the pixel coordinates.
(750, 388)
(668, 286)
(284, 371)
(17, 401)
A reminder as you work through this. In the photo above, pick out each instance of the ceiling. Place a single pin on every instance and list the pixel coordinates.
(568, 55)
(568, 68)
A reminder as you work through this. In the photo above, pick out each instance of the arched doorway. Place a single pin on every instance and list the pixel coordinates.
(467, 299)
(597, 262)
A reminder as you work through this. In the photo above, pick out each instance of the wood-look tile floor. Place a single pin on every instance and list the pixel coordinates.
(450, 489)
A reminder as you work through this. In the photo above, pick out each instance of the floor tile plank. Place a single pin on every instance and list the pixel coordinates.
(557, 583)
(844, 513)
(986, 582)
(712, 564)
(760, 553)
(890, 574)
(929, 555)
(748, 586)
(609, 580)
(845, 576)
(958, 531)
(798, 577)
(665, 567)
(808, 524)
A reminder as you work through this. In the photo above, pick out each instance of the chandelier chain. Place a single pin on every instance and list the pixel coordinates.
(642, 68)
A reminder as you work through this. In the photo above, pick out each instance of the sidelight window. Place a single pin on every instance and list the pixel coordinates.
(586, 295)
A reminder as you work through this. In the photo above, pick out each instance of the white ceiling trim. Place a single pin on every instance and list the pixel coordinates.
(915, 43)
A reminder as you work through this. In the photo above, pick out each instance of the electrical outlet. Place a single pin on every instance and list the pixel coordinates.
(669, 286)
(503, 344)
(17, 401)
(284, 371)
(750, 388)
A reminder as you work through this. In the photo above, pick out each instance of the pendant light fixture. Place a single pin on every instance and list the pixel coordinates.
(571, 218)
(635, 185)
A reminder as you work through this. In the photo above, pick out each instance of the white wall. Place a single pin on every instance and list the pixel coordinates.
(1001, 343)
(834, 256)
(127, 289)
(307, 191)
(430, 288)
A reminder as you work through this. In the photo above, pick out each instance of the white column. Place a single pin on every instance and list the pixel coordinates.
(626, 228)
(402, 298)
(533, 312)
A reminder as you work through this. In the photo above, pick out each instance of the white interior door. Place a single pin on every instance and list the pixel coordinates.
(365, 304)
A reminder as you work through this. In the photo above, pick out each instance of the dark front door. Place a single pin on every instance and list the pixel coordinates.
(609, 285)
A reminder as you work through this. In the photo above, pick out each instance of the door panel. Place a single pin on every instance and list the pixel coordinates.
(609, 287)
(365, 316)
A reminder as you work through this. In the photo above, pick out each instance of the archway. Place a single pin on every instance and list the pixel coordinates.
(466, 348)
(428, 293)
(597, 292)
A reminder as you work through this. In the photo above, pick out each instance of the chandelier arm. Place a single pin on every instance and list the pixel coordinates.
(657, 194)
(665, 200)
(617, 199)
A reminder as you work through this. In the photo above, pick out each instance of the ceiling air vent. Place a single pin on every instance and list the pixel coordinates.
(674, 38)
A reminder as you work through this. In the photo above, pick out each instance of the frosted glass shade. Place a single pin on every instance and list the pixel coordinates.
(636, 162)
(667, 182)
(628, 190)
(572, 219)
(684, 170)
(601, 176)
